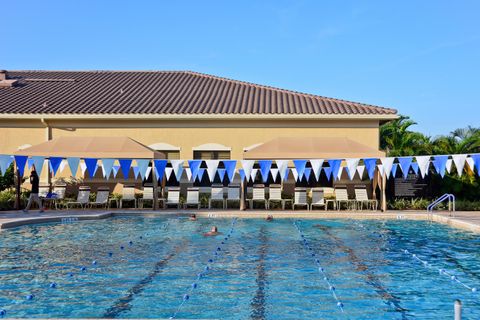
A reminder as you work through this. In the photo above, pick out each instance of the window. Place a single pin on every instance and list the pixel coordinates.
(211, 155)
(171, 155)
(171, 152)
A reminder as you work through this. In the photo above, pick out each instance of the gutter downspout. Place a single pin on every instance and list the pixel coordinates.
(48, 137)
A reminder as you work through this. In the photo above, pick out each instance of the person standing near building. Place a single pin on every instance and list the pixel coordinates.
(35, 182)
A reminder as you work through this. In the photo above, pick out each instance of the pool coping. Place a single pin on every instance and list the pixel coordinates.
(462, 220)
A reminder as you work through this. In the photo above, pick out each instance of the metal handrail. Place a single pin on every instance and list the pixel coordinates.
(451, 203)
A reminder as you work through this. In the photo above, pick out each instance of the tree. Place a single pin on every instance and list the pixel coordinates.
(7, 180)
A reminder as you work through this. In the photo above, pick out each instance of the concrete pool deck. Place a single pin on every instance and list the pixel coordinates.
(467, 220)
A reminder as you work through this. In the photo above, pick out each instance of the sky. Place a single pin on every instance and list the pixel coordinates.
(419, 57)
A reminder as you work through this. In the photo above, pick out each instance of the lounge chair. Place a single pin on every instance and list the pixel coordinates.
(233, 194)
(173, 197)
(192, 197)
(216, 195)
(128, 194)
(82, 198)
(43, 191)
(341, 196)
(361, 197)
(300, 198)
(318, 199)
(103, 193)
(56, 196)
(147, 196)
(258, 196)
(275, 195)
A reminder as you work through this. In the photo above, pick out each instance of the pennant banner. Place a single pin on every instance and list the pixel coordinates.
(476, 162)
(414, 167)
(230, 168)
(295, 173)
(38, 162)
(188, 172)
(107, 167)
(142, 166)
(300, 167)
(274, 173)
(247, 166)
(91, 166)
(212, 166)
(221, 174)
(253, 175)
(352, 167)
(459, 160)
(307, 173)
(394, 169)
(316, 167)
(194, 167)
(387, 165)
(55, 163)
(440, 164)
(265, 166)
(136, 171)
(160, 166)
(370, 164)
(200, 174)
(405, 163)
(73, 165)
(241, 173)
(335, 167)
(177, 166)
(20, 161)
(328, 172)
(423, 164)
(125, 165)
(5, 162)
(282, 166)
(168, 173)
(361, 171)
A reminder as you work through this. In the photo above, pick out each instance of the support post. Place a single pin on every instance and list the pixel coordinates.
(243, 195)
(458, 309)
(155, 186)
(17, 186)
(384, 193)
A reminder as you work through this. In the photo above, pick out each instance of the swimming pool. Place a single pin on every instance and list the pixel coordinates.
(154, 267)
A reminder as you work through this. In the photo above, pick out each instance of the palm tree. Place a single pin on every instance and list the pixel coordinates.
(466, 140)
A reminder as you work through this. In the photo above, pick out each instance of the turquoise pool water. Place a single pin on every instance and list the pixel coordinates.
(263, 270)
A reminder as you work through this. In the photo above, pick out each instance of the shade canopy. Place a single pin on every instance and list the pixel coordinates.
(311, 148)
(92, 147)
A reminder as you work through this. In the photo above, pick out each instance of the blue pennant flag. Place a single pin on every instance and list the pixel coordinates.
(405, 163)
(200, 174)
(30, 163)
(476, 162)
(115, 170)
(394, 169)
(241, 172)
(335, 167)
(38, 162)
(125, 165)
(73, 164)
(55, 164)
(160, 165)
(230, 168)
(328, 172)
(194, 167)
(440, 164)
(136, 171)
(370, 165)
(91, 164)
(414, 167)
(20, 162)
(307, 173)
(265, 166)
(300, 166)
(142, 165)
(221, 174)
(5, 162)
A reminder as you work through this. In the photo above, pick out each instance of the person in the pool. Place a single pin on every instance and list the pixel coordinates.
(212, 232)
(269, 218)
(193, 217)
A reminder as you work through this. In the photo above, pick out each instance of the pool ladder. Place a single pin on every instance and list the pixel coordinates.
(451, 204)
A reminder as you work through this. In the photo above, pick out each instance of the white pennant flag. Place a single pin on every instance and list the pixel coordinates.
(361, 170)
(274, 173)
(189, 174)
(247, 166)
(212, 166)
(381, 169)
(459, 160)
(423, 163)
(62, 166)
(147, 173)
(282, 166)
(316, 167)
(352, 167)
(448, 166)
(295, 173)
(387, 165)
(107, 167)
(83, 167)
(168, 172)
(471, 163)
(253, 174)
(340, 171)
(177, 166)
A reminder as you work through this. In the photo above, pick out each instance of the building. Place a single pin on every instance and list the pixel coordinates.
(186, 115)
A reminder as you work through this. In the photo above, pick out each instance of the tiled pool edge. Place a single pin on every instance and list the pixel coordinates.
(442, 217)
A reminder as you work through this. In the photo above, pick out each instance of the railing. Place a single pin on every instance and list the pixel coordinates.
(451, 203)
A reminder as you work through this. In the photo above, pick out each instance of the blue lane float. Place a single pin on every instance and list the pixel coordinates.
(321, 270)
(205, 271)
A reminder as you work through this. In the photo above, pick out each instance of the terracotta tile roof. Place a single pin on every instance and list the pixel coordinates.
(160, 92)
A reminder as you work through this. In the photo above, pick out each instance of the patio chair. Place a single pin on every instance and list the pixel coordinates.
(173, 197)
(56, 196)
(233, 194)
(43, 191)
(258, 196)
(103, 193)
(361, 197)
(192, 197)
(147, 196)
(341, 196)
(216, 195)
(275, 195)
(128, 195)
(300, 198)
(83, 198)
(318, 199)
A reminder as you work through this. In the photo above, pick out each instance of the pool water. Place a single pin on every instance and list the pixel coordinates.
(144, 267)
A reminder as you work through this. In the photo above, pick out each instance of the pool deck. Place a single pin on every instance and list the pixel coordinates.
(467, 220)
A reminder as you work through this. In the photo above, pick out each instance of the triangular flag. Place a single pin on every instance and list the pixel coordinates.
(361, 170)
(253, 174)
(265, 166)
(335, 167)
(295, 174)
(143, 165)
(115, 170)
(73, 164)
(307, 173)
(168, 173)
(328, 172)
(440, 164)
(5, 162)
(194, 166)
(148, 171)
(423, 163)
(282, 166)
(370, 164)
(352, 167)
(20, 163)
(247, 166)
(459, 160)
(107, 166)
(91, 164)
(125, 165)
(177, 166)
(316, 167)
(274, 172)
(300, 166)
(387, 165)
(136, 172)
(470, 163)
(55, 163)
(405, 163)
(212, 166)
(38, 162)
(394, 169)
(241, 173)
(476, 162)
(62, 165)
(221, 174)
(339, 174)
(160, 166)
(83, 168)
(29, 163)
(188, 171)
(230, 168)
(200, 174)
(448, 166)
(414, 167)
(381, 169)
